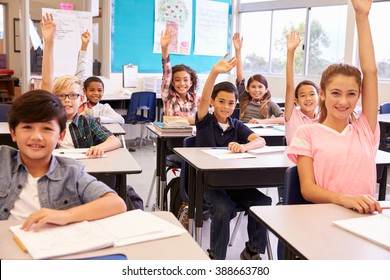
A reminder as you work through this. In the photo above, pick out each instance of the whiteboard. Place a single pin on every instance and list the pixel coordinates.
(70, 25)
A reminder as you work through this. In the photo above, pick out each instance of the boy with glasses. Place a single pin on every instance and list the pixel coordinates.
(82, 131)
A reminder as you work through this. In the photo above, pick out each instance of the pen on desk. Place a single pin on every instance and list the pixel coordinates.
(219, 148)
(20, 244)
(385, 208)
(71, 152)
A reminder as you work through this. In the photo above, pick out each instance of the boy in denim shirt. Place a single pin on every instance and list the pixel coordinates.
(38, 187)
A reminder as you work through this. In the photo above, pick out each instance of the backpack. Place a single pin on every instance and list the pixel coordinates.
(175, 196)
(133, 200)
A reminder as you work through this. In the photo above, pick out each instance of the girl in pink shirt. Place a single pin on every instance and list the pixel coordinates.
(305, 95)
(336, 157)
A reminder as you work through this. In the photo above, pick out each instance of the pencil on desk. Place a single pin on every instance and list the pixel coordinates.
(20, 244)
(385, 208)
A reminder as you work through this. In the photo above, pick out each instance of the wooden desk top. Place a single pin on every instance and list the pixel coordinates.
(117, 161)
(204, 161)
(181, 247)
(270, 131)
(309, 229)
(115, 128)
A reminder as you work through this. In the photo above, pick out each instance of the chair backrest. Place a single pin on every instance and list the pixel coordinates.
(292, 189)
(236, 114)
(142, 107)
(384, 108)
(4, 108)
(187, 142)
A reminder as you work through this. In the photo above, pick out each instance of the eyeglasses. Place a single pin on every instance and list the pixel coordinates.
(70, 96)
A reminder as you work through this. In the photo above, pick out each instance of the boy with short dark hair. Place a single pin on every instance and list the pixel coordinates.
(220, 130)
(38, 186)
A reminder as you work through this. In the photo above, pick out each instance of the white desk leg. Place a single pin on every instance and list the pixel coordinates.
(191, 227)
(123, 141)
(163, 186)
(158, 193)
(198, 235)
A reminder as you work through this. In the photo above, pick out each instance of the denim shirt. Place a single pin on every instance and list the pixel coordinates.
(64, 186)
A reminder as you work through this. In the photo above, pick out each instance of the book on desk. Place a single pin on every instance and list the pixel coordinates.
(375, 227)
(178, 131)
(123, 229)
(224, 153)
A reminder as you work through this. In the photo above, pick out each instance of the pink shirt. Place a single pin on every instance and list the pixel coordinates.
(343, 162)
(296, 120)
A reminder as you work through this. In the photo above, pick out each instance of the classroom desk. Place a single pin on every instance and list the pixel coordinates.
(273, 135)
(117, 130)
(181, 247)
(384, 123)
(118, 162)
(164, 144)
(266, 170)
(307, 231)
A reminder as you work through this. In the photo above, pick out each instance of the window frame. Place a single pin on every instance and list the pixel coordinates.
(276, 5)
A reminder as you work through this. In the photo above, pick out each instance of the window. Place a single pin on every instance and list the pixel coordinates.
(265, 32)
(256, 48)
(379, 19)
(327, 33)
(282, 22)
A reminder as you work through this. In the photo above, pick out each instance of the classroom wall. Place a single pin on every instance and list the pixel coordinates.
(14, 59)
(114, 82)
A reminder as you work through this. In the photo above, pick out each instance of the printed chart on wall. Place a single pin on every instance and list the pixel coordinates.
(176, 15)
(211, 28)
(70, 25)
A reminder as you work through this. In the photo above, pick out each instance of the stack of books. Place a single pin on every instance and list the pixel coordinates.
(174, 125)
(176, 121)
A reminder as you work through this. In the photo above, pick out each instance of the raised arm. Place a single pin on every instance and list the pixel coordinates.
(367, 62)
(165, 40)
(82, 57)
(293, 40)
(237, 42)
(48, 28)
(221, 66)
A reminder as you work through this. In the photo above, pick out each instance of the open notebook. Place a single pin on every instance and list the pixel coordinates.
(224, 153)
(127, 228)
(375, 228)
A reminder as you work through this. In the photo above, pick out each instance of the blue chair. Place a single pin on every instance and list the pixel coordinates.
(292, 188)
(384, 108)
(4, 108)
(141, 110)
(291, 195)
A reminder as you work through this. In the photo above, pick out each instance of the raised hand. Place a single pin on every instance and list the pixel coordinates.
(48, 27)
(224, 65)
(237, 41)
(362, 6)
(166, 37)
(293, 40)
(85, 37)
